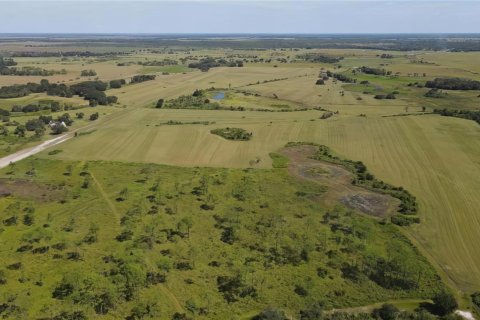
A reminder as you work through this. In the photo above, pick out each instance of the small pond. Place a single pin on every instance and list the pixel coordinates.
(219, 96)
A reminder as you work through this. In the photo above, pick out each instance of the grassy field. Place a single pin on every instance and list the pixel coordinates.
(435, 158)
(88, 225)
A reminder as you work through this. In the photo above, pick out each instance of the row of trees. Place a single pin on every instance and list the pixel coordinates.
(453, 84)
(207, 63)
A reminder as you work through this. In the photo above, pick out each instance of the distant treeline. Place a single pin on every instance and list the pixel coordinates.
(393, 42)
(374, 71)
(93, 91)
(453, 84)
(159, 63)
(464, 114)
(316, 57)
(207, 63)
(341, 77)
(34, 54)
(7, 69)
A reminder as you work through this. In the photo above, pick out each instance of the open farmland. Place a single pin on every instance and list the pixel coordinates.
(154, 185)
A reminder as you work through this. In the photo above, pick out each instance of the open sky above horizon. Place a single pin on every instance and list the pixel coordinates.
(267, 16)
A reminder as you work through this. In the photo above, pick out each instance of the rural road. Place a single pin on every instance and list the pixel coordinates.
(25, 153)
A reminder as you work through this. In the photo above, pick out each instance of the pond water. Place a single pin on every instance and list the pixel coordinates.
(219, 96)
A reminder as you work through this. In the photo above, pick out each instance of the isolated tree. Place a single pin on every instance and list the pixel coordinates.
(20, 130)
(444, 303)
(387, 312)
(159, 103)
(94, 116)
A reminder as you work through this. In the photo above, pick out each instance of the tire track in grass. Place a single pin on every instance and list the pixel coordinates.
(105, 196)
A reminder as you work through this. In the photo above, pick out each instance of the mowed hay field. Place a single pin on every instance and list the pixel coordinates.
(435, 158)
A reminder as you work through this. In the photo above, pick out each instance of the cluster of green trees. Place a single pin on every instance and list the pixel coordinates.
(53, 106)
(7, 69)
(93, 91)
(319, 58)
(142, 78)
(197, 100)
(88, 73)
(21, 90)
(374, 71)
(116, 84)
(237, 134)
(453, 84)
(60, 54)
(159, 63)
(207, 63)
(464, 114)
(341, 77)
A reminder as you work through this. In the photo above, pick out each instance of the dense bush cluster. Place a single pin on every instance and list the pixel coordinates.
(453, 84)
(374, 71)
(116, 84)
(159, 63)
(88, 73)
(205, 64)
(7, 69)
(319, 58)
(142, 78)
(341, 77)
(464, 114)
(93, 91)
(197, 100)
(233, 133)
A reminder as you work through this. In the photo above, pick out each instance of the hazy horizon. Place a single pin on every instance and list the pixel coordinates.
(240, 17)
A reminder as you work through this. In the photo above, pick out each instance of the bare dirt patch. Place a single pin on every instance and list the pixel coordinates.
(30, 190)
(338, 180)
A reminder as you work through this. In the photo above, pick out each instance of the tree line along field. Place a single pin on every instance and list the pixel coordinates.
(433, 157)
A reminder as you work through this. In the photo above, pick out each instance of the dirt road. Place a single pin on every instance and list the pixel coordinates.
(25, 153)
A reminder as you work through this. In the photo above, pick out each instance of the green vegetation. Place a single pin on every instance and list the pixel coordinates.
(6, 69)
(319, 58)
(237, 134)
(464, 114)
(453, 84)
(61, 256)
(88, 73)
(132, 240)
(362, 177)
(205, 64)
(279, 161)
(142, 78)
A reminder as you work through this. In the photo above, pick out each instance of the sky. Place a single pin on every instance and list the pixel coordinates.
(230, 16)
